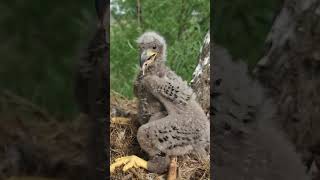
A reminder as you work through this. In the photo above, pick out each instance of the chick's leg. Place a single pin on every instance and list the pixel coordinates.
(157, 164)
(157, 116)
(129, 162)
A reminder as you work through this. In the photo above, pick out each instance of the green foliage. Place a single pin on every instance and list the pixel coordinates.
(40, 40)
(242, 25)
(182, 23)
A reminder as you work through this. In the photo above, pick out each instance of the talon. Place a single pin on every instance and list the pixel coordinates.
(120, 120)
(128, 162)
(129, 165)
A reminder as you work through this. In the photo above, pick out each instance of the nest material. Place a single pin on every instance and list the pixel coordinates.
(123, 142)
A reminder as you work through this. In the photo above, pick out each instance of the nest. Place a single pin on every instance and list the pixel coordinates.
(123, 142)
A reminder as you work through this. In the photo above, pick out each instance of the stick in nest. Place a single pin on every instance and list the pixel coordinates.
(120, 120)
(172, 175)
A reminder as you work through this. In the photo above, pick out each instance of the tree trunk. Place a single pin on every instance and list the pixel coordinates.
(92, 92)
(200, 82)
(291, 69)
(246, 145)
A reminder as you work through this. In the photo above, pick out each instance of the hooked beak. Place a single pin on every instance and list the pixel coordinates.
(147, 55)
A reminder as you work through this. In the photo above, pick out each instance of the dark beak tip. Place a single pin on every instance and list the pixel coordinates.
(141, 62)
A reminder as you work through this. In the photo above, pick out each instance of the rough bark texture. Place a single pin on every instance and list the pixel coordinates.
(200, 82)
(291, 69)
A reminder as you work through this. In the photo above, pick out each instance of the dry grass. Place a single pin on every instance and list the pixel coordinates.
(123, 142)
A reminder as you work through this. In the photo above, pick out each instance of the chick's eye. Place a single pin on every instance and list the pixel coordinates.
(154, 47)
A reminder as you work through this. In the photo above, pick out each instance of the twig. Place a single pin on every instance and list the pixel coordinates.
(172, 175)
(136, 174)
(139, 12)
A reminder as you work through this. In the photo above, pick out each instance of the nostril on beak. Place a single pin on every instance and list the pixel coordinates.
(151, 57)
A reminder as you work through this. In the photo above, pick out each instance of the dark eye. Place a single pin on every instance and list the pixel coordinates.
(154, 47)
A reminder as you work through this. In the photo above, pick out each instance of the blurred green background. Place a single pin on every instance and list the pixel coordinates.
(40, 41)
(182, 23)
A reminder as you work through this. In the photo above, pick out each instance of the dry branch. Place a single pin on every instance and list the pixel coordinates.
(172, 175)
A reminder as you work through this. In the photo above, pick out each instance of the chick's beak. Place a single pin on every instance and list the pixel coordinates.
(147, 56)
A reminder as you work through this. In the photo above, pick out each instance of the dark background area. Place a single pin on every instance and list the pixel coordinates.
(283, 38)
(42, 132)
(40, 41)
(241, 26)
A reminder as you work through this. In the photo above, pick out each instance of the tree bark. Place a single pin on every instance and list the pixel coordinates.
(290, 68)
(92, 92)
(200, 82)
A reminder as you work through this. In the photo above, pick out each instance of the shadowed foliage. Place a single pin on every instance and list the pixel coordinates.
(242, 26)
(40, 41)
